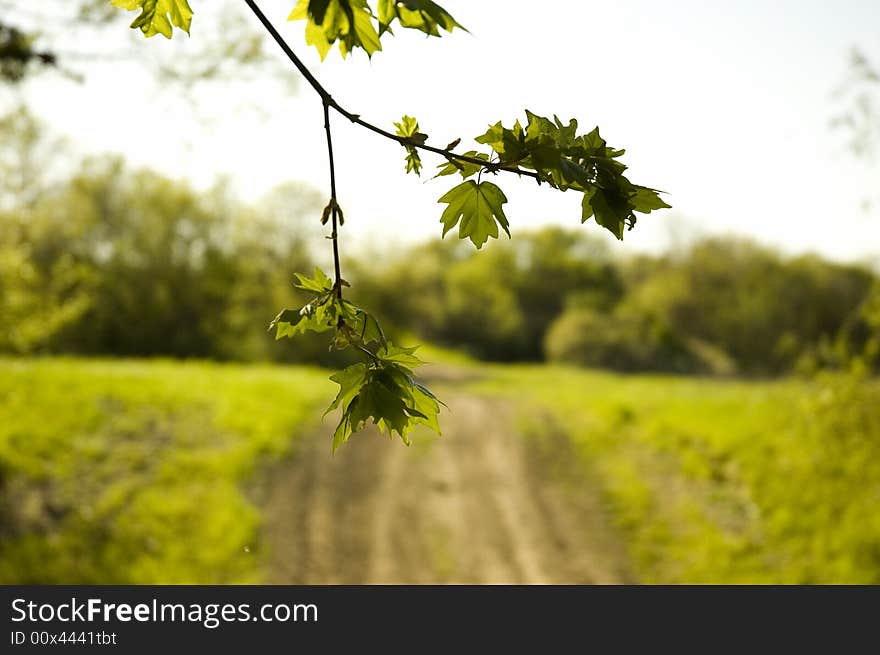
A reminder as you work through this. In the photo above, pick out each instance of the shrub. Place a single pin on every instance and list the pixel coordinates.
(626, 342)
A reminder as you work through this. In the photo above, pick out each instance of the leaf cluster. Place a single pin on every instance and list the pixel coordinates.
(158, 16)
(385, 391)
(563, 159)
(408, 128)
(383, 388)
(354, 24)
(555, 153)
(350, 22)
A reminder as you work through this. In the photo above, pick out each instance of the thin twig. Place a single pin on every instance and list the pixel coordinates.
(337, 286)
(355, 118)
(369, 352)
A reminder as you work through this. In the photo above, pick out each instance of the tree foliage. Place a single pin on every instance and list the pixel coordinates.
(383, 388)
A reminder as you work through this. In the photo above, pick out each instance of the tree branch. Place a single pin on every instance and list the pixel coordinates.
(355, 118)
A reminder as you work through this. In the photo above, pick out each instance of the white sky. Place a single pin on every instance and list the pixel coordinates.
(725, 105)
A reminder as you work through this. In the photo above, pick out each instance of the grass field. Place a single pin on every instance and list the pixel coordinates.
(722, 481)
(136, 472)
(153, 472)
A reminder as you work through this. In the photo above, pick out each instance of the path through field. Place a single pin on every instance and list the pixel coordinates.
(481, 504)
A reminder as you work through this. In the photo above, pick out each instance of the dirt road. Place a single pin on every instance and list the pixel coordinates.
(481, 504)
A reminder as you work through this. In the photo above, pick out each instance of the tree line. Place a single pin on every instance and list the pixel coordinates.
(121, 262)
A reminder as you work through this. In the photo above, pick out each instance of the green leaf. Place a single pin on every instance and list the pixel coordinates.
(346, 428)
(158, 16)
(313, 317)
(317, 9)
(508, 144)
(369, 329)
(428, 407)
(646, 200)
(476, 208)
(350, 22)
(611, 213)
(413, 161)
(373, 400)
(319, 283)
(423, 15)
(350, 381)
(386, 406)
(363, 35)
(408, 127)
(399, 355)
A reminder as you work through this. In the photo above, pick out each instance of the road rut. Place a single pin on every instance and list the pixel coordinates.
(481, 504)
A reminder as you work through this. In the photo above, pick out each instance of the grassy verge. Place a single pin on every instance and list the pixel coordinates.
(134, 471)
(723, 481)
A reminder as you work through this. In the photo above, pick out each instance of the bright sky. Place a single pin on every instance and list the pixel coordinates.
(725, 105)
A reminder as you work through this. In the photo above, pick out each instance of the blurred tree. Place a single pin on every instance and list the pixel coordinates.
(18, 55)
(73, 36)
(762, 310)
(483, 311)
(127, 262)
(555, 266)
(406, 297)
(497, 305)
(621, 341)
(719, 306)
(860, 112)
(31, 158)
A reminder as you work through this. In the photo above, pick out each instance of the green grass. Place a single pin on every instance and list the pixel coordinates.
(715, 481)
(137, 471)
(149, 471)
